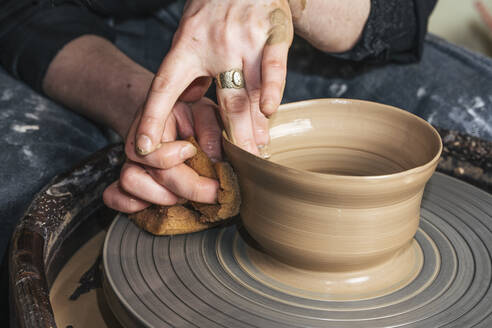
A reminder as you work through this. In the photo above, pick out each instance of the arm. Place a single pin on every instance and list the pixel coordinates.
(94, 78)
(371, 30)
(66, 53)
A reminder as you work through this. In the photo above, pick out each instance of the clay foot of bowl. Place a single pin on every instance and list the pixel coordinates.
(365, 283)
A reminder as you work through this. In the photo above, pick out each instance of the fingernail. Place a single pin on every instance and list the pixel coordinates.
(187, 151)
(143, 146)
(264, 151)
(267, 107)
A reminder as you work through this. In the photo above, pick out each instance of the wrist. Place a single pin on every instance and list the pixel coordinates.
(332, 26)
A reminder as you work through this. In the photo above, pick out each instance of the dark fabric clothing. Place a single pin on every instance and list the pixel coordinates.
(394, 31)
(32, 32)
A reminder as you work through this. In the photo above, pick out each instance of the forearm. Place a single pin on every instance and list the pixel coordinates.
(330, 25)
(92, 77)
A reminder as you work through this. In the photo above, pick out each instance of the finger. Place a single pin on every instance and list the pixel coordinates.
(116, 198)
(207, 128)
(135, 180)
(274, 62)
(234, 109)
(185, 182)
(170, 131)
(273, 74)
(184, 120)
(176, 72)
(168, 154)
(196, 90)
(252, 77)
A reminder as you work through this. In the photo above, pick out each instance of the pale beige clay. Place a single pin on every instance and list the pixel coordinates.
(340, 193)
(193, 217)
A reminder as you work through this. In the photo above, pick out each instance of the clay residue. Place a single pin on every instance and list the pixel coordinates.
(279, 27)
(303, 4)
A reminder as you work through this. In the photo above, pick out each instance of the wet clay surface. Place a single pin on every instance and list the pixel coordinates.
(195, 281)
(468, 204)
(75, 303)
(342, 189)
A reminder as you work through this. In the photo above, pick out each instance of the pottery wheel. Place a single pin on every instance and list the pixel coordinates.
(205, 280)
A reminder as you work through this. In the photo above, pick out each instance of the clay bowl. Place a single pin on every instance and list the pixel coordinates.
(342, 188)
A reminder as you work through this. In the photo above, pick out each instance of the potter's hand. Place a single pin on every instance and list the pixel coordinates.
(161, 177)
(330, 25)
(216, 36)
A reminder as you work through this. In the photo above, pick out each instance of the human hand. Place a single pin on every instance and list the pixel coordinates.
(161, 177)
(216, 36)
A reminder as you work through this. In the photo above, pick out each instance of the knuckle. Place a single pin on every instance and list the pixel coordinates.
(220, 40)
(190, 23)
(166, 162)
(128, 178)
(273, 85)
(275, 63)
(196, 192)
(254, 95)
(160, 84)
(210, 136)
(236, 103)
(210, 141)
(148, 120)
(247, 143)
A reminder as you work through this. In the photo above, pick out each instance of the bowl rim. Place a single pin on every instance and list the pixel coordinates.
(345, 101)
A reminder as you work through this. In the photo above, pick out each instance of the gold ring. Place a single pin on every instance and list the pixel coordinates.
(231, 79)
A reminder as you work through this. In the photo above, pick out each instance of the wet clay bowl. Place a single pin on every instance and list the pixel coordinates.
(340, 192)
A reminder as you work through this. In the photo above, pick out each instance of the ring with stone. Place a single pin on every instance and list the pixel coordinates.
(231, 79)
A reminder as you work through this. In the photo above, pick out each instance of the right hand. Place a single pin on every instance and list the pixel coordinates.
(215, 36)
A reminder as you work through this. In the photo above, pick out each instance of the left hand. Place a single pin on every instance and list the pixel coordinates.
(161, 177)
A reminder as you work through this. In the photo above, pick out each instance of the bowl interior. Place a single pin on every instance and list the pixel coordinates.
(350, 137)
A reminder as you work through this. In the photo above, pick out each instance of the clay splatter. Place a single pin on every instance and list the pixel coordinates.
(7, 94)
(27, 151)
(24, 128)
(31, 116)
(421, 92)
(279, 31)
(431, 117)
(30, 157)
(338, 89)
(470, 114)
(6, 114)
(40, 104)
